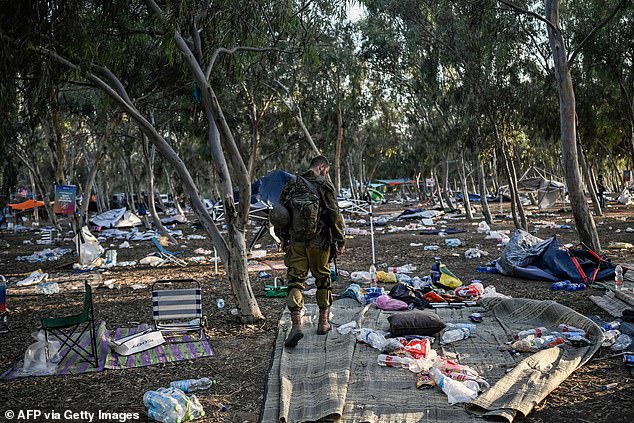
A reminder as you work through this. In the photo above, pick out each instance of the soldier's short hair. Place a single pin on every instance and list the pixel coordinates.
(319, 160)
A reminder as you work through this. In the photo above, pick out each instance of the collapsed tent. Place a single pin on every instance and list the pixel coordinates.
(26, 205)
(529, 257)
(116, 218)
(269, 187)
(548, 191)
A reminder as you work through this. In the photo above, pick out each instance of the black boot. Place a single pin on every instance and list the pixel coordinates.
(296, 333)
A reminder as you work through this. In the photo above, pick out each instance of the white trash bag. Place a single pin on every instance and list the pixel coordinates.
(35, 362)
(89, 248)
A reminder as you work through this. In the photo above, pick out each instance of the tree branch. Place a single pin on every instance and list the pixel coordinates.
(233, 50)
(600, 25)
(528, 12)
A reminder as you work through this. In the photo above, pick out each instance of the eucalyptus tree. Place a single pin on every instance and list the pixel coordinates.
(562, 64)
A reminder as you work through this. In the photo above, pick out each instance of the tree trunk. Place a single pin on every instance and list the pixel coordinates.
(488, 218)
(149, 154)
(59, 142)
(338, 146)
(465, 189)
(589, 185)
(445, 186)
(518, 200)
(583, 219)
(509, 177)
(36, 214)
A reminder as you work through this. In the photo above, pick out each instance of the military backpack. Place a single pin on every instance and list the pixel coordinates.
(304, 205)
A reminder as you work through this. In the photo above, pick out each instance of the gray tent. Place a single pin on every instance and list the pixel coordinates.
(548, 191)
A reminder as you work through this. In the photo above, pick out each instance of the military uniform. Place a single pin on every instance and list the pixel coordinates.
(313, 254)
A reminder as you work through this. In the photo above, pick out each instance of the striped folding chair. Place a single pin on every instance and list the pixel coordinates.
(177, 309)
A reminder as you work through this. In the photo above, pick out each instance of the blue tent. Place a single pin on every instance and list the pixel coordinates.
(269, 187)
(529, 257)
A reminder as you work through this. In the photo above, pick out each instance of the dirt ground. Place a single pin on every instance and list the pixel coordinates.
(243, 352)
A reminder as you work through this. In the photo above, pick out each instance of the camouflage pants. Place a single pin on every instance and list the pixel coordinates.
(299, 260)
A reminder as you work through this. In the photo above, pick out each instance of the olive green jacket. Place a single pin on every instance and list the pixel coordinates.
(331, 217)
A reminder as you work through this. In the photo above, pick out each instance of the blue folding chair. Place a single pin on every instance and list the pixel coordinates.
(168, 256)
(178, 311)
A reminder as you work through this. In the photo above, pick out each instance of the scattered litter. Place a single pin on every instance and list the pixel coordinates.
(47, 288)
(453, 242)
(258, 254)
(45, 255)
(124, 244)
(202, 251)
(138, 286)
(472, 253)
(151, 260)
(620, 245)
(193, 236)
(34, 278)
(431, 247)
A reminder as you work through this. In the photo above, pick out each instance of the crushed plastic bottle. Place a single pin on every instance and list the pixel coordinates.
(47, 288)
(193, 385)
(395, 361)
(469, 326)
(454, 335)
(623, 341)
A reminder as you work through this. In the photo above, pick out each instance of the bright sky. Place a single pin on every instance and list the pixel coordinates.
(355, 11)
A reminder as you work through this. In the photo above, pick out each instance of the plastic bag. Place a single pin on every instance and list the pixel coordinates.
(89, 248)
(472, 253)
(385, 302)
(360, 277)
(483, 228)
(490, 292)
(35, 362)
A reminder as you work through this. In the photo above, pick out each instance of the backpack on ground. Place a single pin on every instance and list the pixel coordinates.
(304, 206)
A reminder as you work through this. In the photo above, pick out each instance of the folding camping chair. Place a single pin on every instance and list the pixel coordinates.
(168, 256)
(67, 330)
(178, 311)
(46, 237)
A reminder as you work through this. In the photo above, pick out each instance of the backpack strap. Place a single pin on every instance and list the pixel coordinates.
(310, 186)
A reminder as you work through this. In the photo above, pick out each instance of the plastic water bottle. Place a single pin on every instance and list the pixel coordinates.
(163, 407)
(333, 273)
(394, 361)
(575, 287)
(408, 268)
(469, 326)
(567, 328)
(618, 278)
(487, 269)
(193, 385)
(541, 331)
(560, 286)
(609, 337)
(373, 279)
(220, 303)
(622, 342)
(455, 335)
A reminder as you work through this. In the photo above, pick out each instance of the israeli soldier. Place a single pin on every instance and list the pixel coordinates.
(314, 230)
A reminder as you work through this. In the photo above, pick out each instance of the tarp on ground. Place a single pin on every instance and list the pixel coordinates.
(548, 191)
(529, 257)
(334, 377)
(26, 205)
(269, 187)
(116, 218)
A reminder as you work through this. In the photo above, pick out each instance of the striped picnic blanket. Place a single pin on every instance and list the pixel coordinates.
(108, 359)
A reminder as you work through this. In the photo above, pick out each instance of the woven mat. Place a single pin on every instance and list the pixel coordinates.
(332, 378)
(169, 352)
